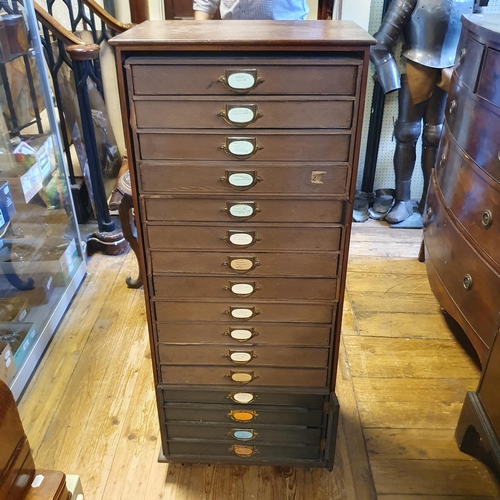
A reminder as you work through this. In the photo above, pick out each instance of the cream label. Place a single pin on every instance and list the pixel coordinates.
(242, 239)
(240, 180)
(241, 313)
(243, 397)
(241, 210)
(241, 148)
(242, 377)
(241, 334)
(241, 81)
(240, 115)
(240, 357)
(242, 288)
(241, 264)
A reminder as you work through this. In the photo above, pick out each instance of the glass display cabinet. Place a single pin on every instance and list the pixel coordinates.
(41, 260)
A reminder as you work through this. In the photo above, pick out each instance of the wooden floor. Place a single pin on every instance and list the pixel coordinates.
(90, 408)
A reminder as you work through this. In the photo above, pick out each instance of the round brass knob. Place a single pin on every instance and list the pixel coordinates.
(467, 281)
(453, 106)
(487, 219)
(442, 159)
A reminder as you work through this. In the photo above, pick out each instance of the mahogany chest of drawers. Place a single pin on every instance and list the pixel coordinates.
(243, 141)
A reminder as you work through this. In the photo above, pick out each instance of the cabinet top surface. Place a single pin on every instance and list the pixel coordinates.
(246, 35)
(487, 26)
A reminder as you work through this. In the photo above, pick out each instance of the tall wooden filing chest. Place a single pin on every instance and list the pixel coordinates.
(243, 142)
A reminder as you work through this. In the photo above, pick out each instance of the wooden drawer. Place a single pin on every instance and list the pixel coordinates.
(474, 123)
(247, 265)
(243, 397)
(262, 334)
(247, 356)
(172, 287)
(243, 452)
(293, 112)
(473, 196)
(469, 57)
(232, 311)
(490, 76)
(470, 282)
(270, 377)
(242, 237)
(203, 76)
(254, 435)
(234, 211)
(287, 145)
(250, 178)
(246, 416)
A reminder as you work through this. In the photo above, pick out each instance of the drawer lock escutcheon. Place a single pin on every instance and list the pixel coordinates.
(241, 147)
(467, 281)
(242, 377)
(241, 81)
(241, 181)
(240, 115)
(241, 334)
(487, 219)
(240, 357)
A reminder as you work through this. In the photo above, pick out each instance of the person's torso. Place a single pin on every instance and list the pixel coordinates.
(278, 10)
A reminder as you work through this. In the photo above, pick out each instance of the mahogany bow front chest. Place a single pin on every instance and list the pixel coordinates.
(243, 141)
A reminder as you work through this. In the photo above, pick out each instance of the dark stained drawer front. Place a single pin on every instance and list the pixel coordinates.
(250, 264)
(246, 416)
(473, 196)
(237, 356)
(235, 113)
(211, 77)
(475, 123)
(242, 452)
(242, 237)
(249, 178)
(233, 311)
(269, 146)
(473, 285)
(241, 334)
(260, 288)
(255, 434)
(470, 55)
(241, 398)
(244, 377)
(233, 210)
(490, 76)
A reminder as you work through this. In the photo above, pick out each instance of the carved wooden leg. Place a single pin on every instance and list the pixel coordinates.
(127, 224)
(421, 252)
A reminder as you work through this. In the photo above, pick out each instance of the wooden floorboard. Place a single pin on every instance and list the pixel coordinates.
(403, 373)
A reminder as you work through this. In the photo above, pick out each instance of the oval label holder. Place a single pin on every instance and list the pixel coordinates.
(241, 147)
(243, 451)
(241, 80)
(242, 415)
(240, 114)
(240, 358)
(241, 313)
(242, 288)
(240, 179)
(241, 264)
(242, 377)
(241, 240)
(243, 434)
(242, 397)
(241, 210)
(241, 334)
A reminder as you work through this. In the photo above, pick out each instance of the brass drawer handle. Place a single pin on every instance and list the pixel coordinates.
(243, 451)
(241, 264)
(241, 239)
(243, 434)
(442, 159)
(240, 81)
(240, 115)
(242, 397)
(241, 289)
(486, 219)
(241, 334)
(242, 415)
(241, 181)
(242, 377)
(242, 210)
(242, 313)
(461, 57)
(240, 357)
(241, 147)
(467, 281)
(453, 106)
